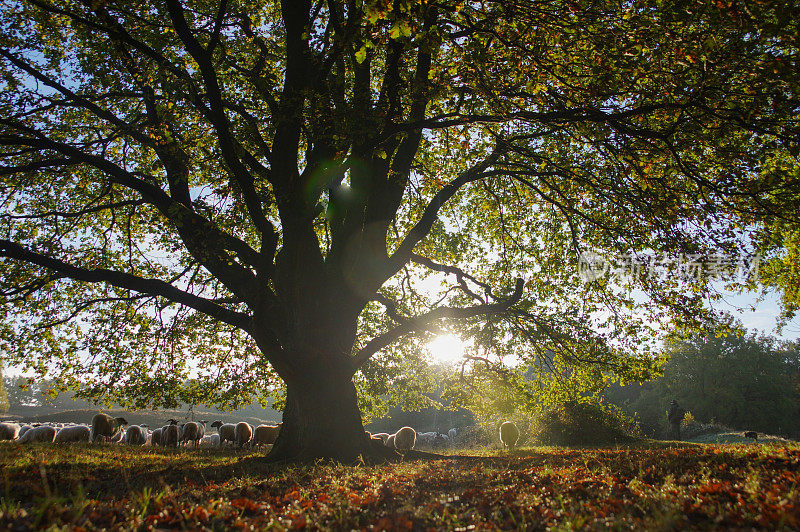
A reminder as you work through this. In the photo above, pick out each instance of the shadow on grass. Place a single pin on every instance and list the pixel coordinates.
(98, 472)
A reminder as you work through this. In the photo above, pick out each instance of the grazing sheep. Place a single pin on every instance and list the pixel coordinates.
(210, 440)
(193, 431)
(404, 439)
(105, 427)
(426, 438)
(390, 441)
(266, 434)
(9, 431)
(244, 432)
(155, 437)
(382, 435)
(431, 439)
(41, 434)
(170, 434)
(23, 429)
(136, 435)
(75, 433)
(227, 431)
(119, 437)
(509, 434)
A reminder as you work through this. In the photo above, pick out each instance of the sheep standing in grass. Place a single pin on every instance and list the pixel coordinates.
(426, 438)
(106, 428)
(193, 431)
(244, 432)
(75, 433)
(404, 439)
(23, 429)
(431, 439)
(9, 431)
(135, 435)
(170, 434)
(155, 437)
(509, 434)
(227, 431)
(265, 434)
(119, 437)
(210, 440)
(41, 434)
(390, 442)
(382, 435)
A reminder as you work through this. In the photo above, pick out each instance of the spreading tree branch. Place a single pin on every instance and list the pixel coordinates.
(153, 287)
(421, 229)
(425, 322)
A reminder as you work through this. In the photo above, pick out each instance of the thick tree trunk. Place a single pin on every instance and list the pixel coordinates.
(322, 420)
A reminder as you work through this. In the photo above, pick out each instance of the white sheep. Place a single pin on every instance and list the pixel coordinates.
(41, 434)
(105, 427)
(451, 435)
(193, 431)
(227, 431)
(210, 440)
(136, 435)
(431, 439)
(155, 437)
(23, 429)
(382, 435)
(244, 432)
(265, 434)
(119, 437)
(390, 441)
(9, 431)
(509, 434)
(404, 439)
(377, 439)
(73, 433)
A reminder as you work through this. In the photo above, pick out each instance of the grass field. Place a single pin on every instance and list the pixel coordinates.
(654, 486)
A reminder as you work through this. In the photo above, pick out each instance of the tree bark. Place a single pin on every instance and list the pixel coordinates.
(322, 420)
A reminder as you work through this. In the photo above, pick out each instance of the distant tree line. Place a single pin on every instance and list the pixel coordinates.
(24, 392)
(743, 381)
(4, 406)
(25, 395)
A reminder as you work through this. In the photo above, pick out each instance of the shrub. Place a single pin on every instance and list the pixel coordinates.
(574, 423)
(473, 436)
(691, 428)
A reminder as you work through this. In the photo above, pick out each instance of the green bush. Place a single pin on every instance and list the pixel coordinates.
(574, 423)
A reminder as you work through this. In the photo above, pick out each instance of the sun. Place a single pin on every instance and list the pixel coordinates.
(446, 349)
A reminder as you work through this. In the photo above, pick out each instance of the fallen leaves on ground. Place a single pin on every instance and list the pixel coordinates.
(691, 486)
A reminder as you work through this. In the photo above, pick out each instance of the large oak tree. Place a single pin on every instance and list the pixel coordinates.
(249, 192)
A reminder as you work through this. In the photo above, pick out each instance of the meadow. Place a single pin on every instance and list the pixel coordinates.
(652, 486)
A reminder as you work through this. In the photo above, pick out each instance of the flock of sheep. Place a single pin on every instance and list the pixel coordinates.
(407, 438)
(105, 428)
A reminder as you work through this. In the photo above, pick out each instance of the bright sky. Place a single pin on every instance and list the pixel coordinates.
(763, 318)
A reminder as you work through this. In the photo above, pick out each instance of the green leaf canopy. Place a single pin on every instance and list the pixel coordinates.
(248, 193)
